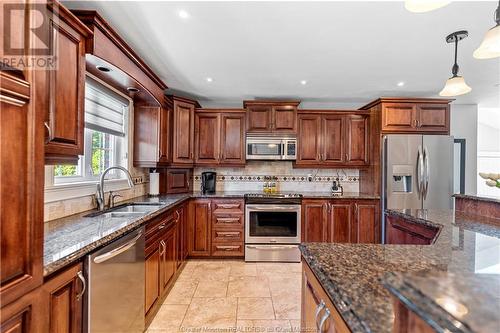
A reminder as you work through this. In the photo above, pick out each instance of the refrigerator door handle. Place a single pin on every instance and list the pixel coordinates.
(420, 171)
(426, 173)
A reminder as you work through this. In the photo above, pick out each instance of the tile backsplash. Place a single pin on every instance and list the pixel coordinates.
(251, 178)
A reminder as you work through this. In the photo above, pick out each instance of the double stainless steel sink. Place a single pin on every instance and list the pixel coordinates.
(133, 209)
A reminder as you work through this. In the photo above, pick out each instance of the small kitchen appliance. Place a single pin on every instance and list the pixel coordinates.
(271, 148)
(208, 182)
(272, 227)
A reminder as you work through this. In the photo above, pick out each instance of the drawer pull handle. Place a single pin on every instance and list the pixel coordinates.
(227, 248)
(228, 234)
(228, 220)
(161, 226)
(84, 285)
(228, 206)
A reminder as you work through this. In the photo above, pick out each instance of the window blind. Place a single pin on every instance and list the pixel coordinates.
(104, 109)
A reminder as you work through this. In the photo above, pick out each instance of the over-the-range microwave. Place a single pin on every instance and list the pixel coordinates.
(271, 148)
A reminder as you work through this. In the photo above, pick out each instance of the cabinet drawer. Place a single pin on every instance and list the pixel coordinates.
(160, 223)
(223, 235)
(228, 206)
(227, 221)
(227, 249)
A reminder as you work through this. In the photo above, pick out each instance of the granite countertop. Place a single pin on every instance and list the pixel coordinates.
(70, 238)
(353, 274)
(476, 198)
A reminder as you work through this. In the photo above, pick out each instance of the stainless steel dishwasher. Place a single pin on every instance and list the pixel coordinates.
(115, 301)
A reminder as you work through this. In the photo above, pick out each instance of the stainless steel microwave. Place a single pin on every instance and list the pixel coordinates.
(271, 148)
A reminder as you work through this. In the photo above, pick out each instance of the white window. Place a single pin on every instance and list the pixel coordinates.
(106, 137)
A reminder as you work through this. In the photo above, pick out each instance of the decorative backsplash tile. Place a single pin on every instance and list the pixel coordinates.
(251, 178)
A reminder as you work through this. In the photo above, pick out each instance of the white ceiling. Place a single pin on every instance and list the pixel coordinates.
(349, 52)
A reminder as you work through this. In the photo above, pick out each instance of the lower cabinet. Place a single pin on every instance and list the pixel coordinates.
(216, 228)
(26, 314)
(64, 294)
(165, 253)
(401, 231)
(318, 312)
(407, 321)
(341, 221)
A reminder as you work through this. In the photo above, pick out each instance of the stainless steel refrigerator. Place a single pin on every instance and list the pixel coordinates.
(417, 172)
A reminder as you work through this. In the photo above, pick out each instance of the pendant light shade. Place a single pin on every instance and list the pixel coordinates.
(423, 6)
(455, 85)
(490, 47)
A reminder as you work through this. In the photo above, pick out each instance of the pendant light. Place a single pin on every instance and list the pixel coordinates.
(455, 85)
(490, 47)
(423, 6)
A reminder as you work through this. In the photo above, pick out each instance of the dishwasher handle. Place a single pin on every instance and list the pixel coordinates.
(113, 253)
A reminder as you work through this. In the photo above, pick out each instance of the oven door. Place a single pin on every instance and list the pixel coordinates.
(264, 149)
(269, 224)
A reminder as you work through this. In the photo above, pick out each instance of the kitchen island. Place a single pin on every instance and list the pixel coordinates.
(356, 277)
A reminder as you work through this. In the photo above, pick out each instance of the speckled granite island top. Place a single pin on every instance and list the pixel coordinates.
(71, 238)
(353, 274)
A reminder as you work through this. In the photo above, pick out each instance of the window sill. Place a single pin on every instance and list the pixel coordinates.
(77, 190)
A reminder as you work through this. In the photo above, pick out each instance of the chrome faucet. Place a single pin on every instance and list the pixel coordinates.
(100, 186)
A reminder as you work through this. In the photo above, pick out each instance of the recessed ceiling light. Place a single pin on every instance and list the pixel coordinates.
(401, 83)
(303, 82)
(183, 14)
(209, 79)
(103, 68)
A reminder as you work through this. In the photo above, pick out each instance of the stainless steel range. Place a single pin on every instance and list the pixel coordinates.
(272, 228)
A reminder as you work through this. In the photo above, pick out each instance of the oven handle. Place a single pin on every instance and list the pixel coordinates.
(279, 247)
(290, 208)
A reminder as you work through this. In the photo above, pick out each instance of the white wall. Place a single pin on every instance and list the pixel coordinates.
(464, 126)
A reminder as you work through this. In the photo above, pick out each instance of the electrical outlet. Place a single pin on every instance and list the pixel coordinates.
(310, 177)
(138, 180)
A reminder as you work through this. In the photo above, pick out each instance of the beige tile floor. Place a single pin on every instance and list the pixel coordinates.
(232, 296)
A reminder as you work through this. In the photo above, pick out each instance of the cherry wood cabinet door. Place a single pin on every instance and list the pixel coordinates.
(366, 226)
(207, 134)
(27, 314)
(233, 138)
(314, 220)
(309, 139)
(152, 272)
(259, 118)
(199, 228)
(284, 119)
(356, 140)
(164, 135)
(168, 263)
(64, 294)
(21, 195)
(434, 118)
(340, 222)
(399, 117)
(180, 236)
(65, 87)
(183, 139)
(332, 133)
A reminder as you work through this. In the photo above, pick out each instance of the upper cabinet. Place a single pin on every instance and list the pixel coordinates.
(418, 115)
(64, 91)
(271, 116)
(332, 139)
(219, 137)
(183, 130)
(152, 135)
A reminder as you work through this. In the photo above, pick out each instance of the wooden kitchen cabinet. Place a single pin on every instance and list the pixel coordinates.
(152, 136)
(181, 234)
(401, 231)
(412, 115)
(219, 137)
(64, 91)
(152, 282)
(64, 295)
(341, 221)
(271, 116)
(183, 130)
(227, 228)
(168, 256)
(199, 228)
(173, 180)
(317, 307)
(27, 314)
(315, 220)
(332, 139)
(21, 195)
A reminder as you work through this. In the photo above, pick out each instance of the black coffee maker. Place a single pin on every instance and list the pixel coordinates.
(208, 182)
